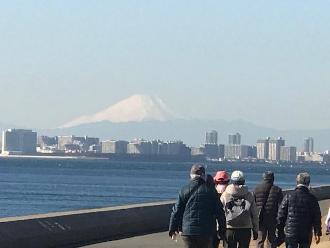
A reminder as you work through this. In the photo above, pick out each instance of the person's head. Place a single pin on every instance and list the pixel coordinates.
(237, 178)
(268, 176)
(221, 177)
(197, 171)
(303, 178)
(221, 180)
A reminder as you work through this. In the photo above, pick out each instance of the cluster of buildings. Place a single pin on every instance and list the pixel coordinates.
(145, 147)
(26, 142)
(74, 144)
(275, 150)
(270, 150)
(67, 144)
(234, 150)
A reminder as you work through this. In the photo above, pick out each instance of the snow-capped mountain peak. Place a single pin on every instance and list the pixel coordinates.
(136, 108)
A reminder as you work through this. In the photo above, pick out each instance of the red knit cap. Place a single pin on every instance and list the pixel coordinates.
(221, 177)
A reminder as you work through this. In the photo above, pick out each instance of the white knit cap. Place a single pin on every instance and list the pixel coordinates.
(237, 176)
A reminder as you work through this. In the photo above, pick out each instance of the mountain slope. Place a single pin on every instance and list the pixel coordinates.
(136, 108)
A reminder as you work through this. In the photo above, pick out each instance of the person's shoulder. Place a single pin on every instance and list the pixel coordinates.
(186, 188)
(289, 195)
(313, 197)
(224, 196)
(277, 188)
(249, 196)
(259, 187)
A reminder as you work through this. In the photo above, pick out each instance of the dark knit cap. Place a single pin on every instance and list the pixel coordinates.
(197, 169)
(268, 176)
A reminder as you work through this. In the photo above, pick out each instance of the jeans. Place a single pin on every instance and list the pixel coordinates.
(266, 232)
(190, 241)
(239, 236)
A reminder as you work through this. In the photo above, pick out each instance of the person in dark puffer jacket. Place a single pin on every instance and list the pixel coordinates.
(268, 198)
(300, 215)
(196, 211)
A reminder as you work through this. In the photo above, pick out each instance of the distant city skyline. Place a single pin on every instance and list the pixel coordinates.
(20, 142)
(264, 62)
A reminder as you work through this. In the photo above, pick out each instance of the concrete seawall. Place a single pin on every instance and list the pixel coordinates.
(77, 228)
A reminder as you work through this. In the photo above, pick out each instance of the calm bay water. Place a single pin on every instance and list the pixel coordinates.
(32, 186)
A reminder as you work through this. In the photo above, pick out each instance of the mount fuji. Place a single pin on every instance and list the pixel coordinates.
(137, 108)
(141, 116)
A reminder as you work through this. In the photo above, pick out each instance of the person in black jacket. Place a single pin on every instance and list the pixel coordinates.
(268, 198)
(300, 214)
(196, 211)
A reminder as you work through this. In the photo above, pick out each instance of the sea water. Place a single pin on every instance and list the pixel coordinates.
(33, 186)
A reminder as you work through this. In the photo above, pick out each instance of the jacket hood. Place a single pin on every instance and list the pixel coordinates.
(237, 190)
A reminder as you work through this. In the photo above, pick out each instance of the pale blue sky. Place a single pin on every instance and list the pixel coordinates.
(263, 61)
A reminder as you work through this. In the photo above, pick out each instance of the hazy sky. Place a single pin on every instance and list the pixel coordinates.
(263, 61)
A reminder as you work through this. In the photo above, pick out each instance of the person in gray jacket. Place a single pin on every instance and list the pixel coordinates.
(241, 212)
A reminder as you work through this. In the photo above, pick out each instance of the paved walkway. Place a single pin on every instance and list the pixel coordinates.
(161, 240)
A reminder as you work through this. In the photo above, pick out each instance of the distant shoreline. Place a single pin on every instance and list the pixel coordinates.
(145, 158)
(50, 157)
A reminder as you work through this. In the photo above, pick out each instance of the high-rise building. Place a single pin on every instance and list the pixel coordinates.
(274, 149)
(211, 151)
(172, 148)
(64, 140)
(211, 138)
(234, 139)
(46, 141)
(139, 147)
(252, 152)
(197, 151)
(221, 150)
(263, 148)
(236, 151)
(288, 153)
(46, 144)
(162, 148)
(80, 144)
(309, 145)
(89, 141)
(157, 147)
(19, 141)
(114, 146)
(175, 147)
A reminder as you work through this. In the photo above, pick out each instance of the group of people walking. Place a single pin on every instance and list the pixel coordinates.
(210, 210)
